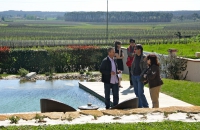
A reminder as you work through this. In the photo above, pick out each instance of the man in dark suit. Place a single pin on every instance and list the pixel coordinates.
(110, 78)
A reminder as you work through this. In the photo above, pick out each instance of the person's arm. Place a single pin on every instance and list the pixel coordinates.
(144, 65)
(122, 54)
(103, 68)
(151, 74)
(118, 56)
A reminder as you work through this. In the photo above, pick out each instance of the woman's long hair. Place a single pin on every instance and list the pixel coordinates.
(117, 43)
(154, 59)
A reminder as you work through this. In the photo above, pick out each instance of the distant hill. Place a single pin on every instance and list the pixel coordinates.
(36, 13)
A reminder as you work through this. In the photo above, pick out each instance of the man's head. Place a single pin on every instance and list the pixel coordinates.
(138, 49)
(132, 42)
(111, 52)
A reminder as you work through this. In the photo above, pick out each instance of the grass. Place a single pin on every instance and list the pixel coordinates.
(186, 50)
(166, 125)
(125, 77)
(183, 90)
(4, 75)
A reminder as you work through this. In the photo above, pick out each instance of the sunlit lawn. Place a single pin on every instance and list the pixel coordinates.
(186, 50)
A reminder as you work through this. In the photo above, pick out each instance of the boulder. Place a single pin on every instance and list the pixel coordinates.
(30, 75)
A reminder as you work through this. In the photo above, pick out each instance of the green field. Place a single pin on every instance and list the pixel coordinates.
(62, 33)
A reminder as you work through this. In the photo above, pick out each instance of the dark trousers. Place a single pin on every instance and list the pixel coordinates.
(115, 92)
(130, 77)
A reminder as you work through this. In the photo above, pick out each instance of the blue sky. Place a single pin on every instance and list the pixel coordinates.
(99, 5)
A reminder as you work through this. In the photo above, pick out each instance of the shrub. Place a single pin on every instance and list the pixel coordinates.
(23, 72)
(14, 119)
(82, 72)
(173, 66)
(47, 73)
(88, 73)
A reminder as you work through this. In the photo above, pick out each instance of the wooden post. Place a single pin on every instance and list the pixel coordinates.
(172, 51)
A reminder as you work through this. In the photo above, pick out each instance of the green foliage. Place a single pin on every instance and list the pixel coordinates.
(133, 17)
(59, 59)
(47, 73)
(82, 72)
(165, 125)
(173, 66)
(23, 72)
(39, 117)
(14, 119)
(88, 73)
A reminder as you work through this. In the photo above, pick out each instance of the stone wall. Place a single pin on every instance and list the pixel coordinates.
(193, 68)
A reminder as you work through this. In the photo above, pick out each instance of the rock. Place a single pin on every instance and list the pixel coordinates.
(92, 112)
(26, 116)
(30, 75)
(53, 115)
(115, 112)
(71, 115)
(3, 117)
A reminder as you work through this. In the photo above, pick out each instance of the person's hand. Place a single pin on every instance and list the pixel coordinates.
(119, 71)
(145, 75)
(113, 73)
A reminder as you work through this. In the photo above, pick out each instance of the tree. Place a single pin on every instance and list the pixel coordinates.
(181, 18)
(2, 18)
(195, 16)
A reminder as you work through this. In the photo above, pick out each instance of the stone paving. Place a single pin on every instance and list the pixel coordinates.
(97, 89)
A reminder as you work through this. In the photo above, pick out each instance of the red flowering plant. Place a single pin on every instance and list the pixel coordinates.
(4, 53)
(4, 49)
(82, 47)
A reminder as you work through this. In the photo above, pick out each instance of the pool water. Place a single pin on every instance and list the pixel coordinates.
(25, 97)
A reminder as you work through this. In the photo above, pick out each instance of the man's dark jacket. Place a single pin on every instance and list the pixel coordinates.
(106, 69)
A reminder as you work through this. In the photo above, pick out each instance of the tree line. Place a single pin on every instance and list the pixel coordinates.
(119, 16)
(159, 16)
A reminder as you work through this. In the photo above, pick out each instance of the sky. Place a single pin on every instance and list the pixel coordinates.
(99, 5)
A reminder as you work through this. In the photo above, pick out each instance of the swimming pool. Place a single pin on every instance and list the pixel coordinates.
(25, 97)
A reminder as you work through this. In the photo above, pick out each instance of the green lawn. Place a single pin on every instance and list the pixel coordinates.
(166, 125)
(184, 90)
(186, 50)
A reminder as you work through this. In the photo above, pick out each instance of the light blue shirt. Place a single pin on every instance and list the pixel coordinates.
(113, 79)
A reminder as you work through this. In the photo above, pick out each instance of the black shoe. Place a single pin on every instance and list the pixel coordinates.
(120, 86)
(131, 86)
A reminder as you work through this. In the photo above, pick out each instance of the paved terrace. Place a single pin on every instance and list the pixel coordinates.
(97, 89)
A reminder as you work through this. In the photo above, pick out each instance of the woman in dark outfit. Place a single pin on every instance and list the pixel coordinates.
(119, 57)
(154, 79)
